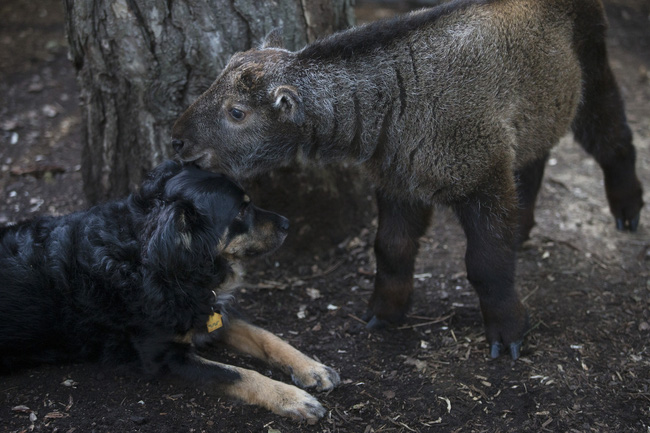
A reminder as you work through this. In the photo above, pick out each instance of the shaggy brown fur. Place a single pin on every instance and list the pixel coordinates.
(458, 104)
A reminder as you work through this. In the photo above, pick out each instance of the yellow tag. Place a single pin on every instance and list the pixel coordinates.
(214, 322)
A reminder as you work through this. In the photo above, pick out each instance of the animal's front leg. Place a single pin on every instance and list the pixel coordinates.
(257, 342)
(401, 224)
(251, 387)
(280, 398)
(489, 219)
(246, 385)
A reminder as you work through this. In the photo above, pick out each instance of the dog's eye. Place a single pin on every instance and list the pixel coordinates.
(237, 114)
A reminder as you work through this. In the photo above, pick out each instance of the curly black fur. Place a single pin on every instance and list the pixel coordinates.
(125, 280)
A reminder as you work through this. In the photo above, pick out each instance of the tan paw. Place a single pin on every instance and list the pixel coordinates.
(315, 375)
(298, 405)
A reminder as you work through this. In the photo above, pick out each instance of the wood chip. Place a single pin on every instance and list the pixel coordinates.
(21, 408)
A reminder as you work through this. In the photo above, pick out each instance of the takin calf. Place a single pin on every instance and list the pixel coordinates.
(457, 104)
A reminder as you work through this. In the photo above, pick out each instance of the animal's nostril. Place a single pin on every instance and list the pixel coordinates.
(177, 144)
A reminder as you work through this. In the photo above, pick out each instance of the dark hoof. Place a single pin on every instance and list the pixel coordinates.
(376, 323)
(497, 348)
(627, 225)
(515, 350)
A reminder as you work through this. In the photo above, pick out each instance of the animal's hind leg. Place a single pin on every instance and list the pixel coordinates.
(401, 224)
(600, 126)
(529, 179)
(489, 218)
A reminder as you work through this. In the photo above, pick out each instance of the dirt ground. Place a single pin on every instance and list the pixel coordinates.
(585, 366)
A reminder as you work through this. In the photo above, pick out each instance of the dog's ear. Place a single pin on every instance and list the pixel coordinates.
(187, 221)
(156, 179)
(178, 255)
(172, 235)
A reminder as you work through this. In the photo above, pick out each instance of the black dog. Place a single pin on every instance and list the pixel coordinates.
(145, 280)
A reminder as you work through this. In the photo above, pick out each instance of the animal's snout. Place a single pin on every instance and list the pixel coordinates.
(182, 135)
(178, 145)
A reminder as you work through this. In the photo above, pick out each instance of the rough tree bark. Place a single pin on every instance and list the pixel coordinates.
(141, 62)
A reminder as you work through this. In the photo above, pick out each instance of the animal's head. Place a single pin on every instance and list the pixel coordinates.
(196, 220)
(249, 121)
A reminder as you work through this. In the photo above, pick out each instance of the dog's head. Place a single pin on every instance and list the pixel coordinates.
(196, 217)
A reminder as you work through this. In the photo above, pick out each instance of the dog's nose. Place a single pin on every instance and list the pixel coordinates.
(177, 144)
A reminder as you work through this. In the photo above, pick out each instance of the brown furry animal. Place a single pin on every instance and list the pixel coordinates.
(458, 104)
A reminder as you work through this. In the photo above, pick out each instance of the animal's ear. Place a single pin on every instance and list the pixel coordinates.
(155, 181)
(288, 102)
(273, 39)
(175, 254)
(187, 216)
(171, 237)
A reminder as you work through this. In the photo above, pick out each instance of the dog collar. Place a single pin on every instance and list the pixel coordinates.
(215, 321)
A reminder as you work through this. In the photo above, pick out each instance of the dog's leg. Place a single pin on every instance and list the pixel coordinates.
(250, 387)
(401, 224)
(257, 342)
(489, 218)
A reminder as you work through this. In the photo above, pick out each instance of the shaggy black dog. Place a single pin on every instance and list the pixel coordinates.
(145, 280)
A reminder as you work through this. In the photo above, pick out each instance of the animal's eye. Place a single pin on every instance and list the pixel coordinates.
(237, 114)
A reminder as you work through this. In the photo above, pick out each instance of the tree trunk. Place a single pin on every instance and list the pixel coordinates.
(140, 63)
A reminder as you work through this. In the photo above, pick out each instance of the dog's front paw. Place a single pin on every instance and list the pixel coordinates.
(280, 398)
(315, 375)
(299, 405)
